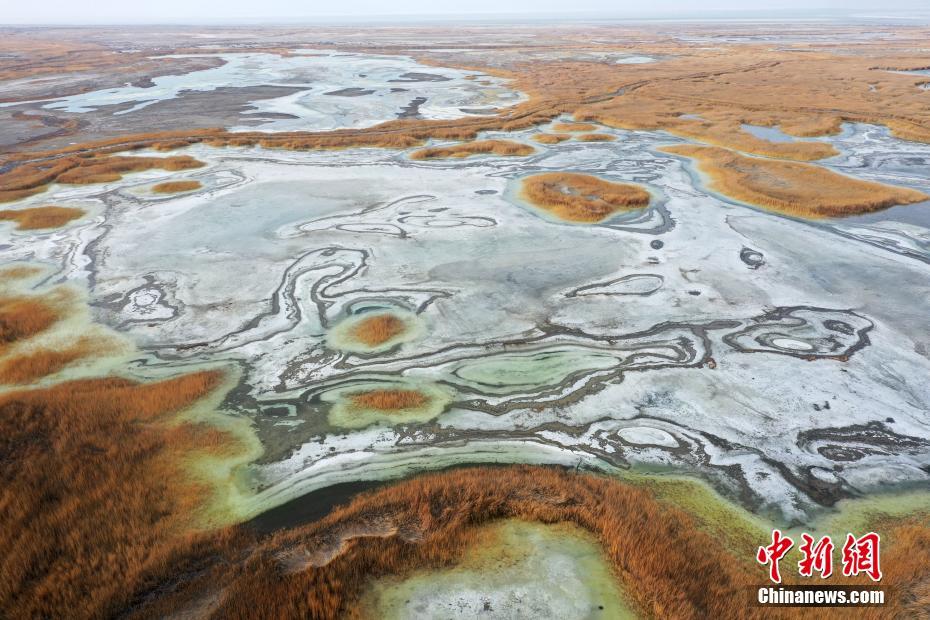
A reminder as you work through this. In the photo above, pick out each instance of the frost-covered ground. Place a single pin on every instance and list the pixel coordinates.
(784, 360)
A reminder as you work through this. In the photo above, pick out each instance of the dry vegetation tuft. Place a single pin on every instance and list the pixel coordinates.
(506, 148)
(81, 169)
(595, 137)
(35, 218)
(389, 400)
(34, 365)
(112, 168)
(551, 138)
(92, 492)
(175, 187)
(574, 127)
(577, 197)
(377, 329)
(19, 272)
(792, 188)
(23, 317)
(669, 567)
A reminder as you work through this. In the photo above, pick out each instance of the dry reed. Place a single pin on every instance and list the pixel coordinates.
(377, 329)
(389, 400)
(24, 317)
(573, 127)
(551, 138)
(792, 188)
(668, 566)
(175, 187)
(36, 218)
(584, 198)
(82, 169)
(33, 365)
(504, 148)
(92, 492)
(595, 137)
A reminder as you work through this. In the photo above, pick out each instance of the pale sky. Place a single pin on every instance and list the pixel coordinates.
(225, 11)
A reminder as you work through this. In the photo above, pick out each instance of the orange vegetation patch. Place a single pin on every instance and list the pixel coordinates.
(107, 169)
(574, 127)
(669, 566)
(551, 138)
(24, 317)
(175, 187)
(577, 197)
(389, 400)
(20, 272)
(35, 218)
(34, 177)
(596, 137)
(792, 188)
(93, 493)
(507, 148)
(699, 92)
(28, 367)
(377, 329)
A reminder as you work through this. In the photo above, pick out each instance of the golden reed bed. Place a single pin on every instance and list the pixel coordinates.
(581, 198)
(503, 148)
(792, 188)
(389, 400)
(377, 329)
(37, 218)
(667, 564)
(34, 177)
(551, 138)
(176, 187)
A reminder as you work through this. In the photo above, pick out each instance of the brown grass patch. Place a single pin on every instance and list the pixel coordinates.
(389, 400)
(93, 493)
(573, 127)
(174, 187)
(551, 138)
(34, 365)
(20, 272)
(577, 197)
(377, 329)
(507, 148)
(112, 168)
(669, 566)
(82, 169)
(805, 94)
(34, 218)
(596, 137)
(24, 317)
(792, 188)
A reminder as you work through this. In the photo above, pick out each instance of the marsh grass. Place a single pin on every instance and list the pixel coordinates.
(377, 329)
(83, 169)
(92, 491)
(595, 137)
(389, 400)
(667, 564)
(573, 127)
(504, 148)
(33, 365)
(36, 218)
(583, 198)
(551, 138)
(175, 187)
(22, 317)
(792, 188)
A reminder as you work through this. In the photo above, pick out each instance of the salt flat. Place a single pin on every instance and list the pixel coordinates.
(697, 335)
